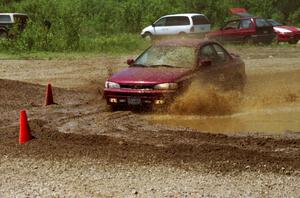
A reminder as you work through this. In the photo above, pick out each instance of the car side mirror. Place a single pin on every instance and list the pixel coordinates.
(204, 63)
(130, 61)
(153, 25)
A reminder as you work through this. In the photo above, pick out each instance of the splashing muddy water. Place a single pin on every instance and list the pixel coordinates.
(270, 104)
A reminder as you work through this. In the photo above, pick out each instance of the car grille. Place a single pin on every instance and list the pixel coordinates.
(144, 87)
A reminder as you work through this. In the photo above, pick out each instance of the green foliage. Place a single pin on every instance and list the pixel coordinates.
(110, 25)
(122, 43)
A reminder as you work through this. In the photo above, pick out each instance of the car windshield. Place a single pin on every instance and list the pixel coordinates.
(262, 23)
(274, 23)
(167, 56)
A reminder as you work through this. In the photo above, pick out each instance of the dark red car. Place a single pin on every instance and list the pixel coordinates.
(166, 69)
(245, 29)
(285, 33)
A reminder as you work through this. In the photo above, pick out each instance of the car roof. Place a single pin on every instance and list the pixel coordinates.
(184, 14)
(13, 14)
(183, 42)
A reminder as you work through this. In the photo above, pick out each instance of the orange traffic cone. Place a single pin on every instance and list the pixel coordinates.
(49, 96)
(24, 135)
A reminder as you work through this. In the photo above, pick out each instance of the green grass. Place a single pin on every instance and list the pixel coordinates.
(89, 47)
(46, 55)
(122, 43)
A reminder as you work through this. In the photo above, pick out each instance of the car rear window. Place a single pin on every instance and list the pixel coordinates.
(200, 20)
(5, 18)
(174, 21)
(262, 23)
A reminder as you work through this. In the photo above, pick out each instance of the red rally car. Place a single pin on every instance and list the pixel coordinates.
(166, 69)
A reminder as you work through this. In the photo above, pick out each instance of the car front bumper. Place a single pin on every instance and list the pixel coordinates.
(136, 97)
(288, 37)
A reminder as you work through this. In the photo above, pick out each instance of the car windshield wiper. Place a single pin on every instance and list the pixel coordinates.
(162, 65)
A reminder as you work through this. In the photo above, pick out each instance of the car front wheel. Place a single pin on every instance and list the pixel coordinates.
(3, 35)
(148, 36)
(293, 42)
(237, 83)
(249, 40)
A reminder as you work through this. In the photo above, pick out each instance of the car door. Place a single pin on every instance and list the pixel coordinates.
(230, 32)
(246, 29)
(160, 26)
(201, 24)
(221, 70)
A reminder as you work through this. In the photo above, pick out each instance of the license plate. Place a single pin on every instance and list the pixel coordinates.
(134, 101)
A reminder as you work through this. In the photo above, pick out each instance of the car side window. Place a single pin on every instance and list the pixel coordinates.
(222, 55)
(161, 22)
(5, 18)
(245, 24)
(207, 53)
(232, 25)
(200, 20)
(176, 21)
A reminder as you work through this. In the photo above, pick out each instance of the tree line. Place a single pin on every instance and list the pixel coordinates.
(74, 20)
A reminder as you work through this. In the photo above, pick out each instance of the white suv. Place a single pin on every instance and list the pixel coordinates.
(178, 24)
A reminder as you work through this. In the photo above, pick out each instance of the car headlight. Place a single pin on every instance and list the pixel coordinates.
(109, 84)
(166, 86)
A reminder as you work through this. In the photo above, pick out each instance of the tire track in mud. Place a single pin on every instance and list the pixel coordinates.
(127, 138)
(216, 152)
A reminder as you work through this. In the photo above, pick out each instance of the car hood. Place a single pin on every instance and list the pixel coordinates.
(142, 75)
(284, 29)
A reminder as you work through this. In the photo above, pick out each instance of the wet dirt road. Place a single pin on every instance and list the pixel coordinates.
(84, 150)
(270, 103)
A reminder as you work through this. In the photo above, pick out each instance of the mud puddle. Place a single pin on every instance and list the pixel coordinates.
(267, 121)
(270, 104)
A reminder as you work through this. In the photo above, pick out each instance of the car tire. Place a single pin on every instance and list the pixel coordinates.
(249, 40)
(268, 42)
(113, 108)
(238, 83)
(148, 36)
(182, 34)
(293, 42)
(3, 34)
